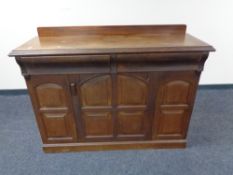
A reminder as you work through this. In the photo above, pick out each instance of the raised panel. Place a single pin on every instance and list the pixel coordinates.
(176, 92)
(55, 124)
(131, 91)
(171, 123)
(98, 124)
(97, 91)
(50, 95)
(131, 123)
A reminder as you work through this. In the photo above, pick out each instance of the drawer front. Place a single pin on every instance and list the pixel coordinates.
(69, 64)
(159, 62)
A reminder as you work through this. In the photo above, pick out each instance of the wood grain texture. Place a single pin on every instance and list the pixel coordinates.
(96, 92)
(112, 87)
(174, 104)
(131, 123)
(98, 124)
(128, 87)
(110, 30)
(52, 105)
(111, 39)
(103, 146)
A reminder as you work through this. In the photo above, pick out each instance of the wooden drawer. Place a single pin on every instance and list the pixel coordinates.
(65, 64)
(158, 62)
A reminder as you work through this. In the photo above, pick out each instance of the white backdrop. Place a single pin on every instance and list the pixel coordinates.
(209, 20)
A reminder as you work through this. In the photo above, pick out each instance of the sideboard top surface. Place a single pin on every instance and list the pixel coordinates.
(111, 39)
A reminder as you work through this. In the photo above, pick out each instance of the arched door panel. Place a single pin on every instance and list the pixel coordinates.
(53, 108)
(173, 106)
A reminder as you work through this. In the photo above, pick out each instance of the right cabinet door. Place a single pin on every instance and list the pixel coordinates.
(174, 104)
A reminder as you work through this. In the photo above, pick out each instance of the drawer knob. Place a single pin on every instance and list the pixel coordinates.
(73, 88)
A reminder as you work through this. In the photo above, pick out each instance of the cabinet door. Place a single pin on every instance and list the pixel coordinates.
(51, 101)
(174, 103)
(113, 107)
(132, 106)
(95, 106)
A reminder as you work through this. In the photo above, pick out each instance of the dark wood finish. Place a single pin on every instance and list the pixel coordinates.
(111, 39)
(112, 87)
(52, 104)
(102, 146)
(111, 30)
(175, 98)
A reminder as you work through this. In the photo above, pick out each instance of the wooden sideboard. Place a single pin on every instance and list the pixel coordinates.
(112, 87)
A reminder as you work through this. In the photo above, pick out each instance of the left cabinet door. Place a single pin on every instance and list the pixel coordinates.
(52, 103)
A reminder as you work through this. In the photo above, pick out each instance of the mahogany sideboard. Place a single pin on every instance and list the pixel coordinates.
(112, 87)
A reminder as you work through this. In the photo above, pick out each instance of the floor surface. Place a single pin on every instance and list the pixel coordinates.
(209, 151)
